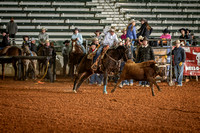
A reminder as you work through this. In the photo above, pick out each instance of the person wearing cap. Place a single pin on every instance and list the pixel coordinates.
(65, 52)
(145, 53)
(12, 29)
(98, 35)
(33, 46)
(77, 36)
(164, 36)
(42, 38)
(183, 36)
(26, 42)
(123, 36)
(131, 30)
(179, 59)
(5, 41)
(145, 30)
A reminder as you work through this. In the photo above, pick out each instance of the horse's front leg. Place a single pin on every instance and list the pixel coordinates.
(105, 82)
(76, 81)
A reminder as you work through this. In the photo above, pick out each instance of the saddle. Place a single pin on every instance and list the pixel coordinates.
(4, 50)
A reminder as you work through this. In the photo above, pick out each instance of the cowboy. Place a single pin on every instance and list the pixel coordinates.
(12, 29)
(98, 35)
(5, 41)
(183, 36)
(42, 38)
(33, 46)
(145, 53)
(110, 40)
(123, 36)
(79, 39)
(65, 52)
(145, 30)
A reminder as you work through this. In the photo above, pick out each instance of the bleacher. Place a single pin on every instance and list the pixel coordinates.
(60, 16)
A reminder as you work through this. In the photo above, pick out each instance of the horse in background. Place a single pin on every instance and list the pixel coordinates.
(109, 64)
(75, 57)
(29, 64)
(10, 51)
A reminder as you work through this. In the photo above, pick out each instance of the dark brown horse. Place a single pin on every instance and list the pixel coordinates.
(10, 51)
(110, 64)
(75, 57)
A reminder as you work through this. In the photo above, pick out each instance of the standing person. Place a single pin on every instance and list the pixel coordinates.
(179, 59)
(50, 52)
(145, 30)
(145, 53)
(65, 52)
(42, 38)
(123, 36)
(77, 36)
(12, 29)
(183, 36)
(164, 36)
(131, 31)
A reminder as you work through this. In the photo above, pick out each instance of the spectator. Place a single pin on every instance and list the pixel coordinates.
(98, 35)
(123, 36)
(12, 29)
(77, 36)
(33, 46)
(5, 41)
(179, 59)
(188, 33)
(164, 36)
(145, 30)
(131, 31)
(65, 52)
(42, 38)
(145, 53)
(26, 42)
(193, 40)
(183, 36)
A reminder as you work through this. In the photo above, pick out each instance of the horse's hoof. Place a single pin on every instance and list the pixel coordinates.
(74, 91)
(105, 92)
(112, 91)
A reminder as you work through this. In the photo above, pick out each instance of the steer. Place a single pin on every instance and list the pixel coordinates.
(145, 71)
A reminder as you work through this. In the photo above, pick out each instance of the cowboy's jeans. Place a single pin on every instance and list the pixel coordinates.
(95, 78)
(98, 53)
(179, 73)
(83, 48)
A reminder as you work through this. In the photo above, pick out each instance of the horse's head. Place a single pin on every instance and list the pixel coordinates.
(26, 50)
(122, 51)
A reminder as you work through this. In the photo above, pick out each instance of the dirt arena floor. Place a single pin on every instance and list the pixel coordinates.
(51, 107)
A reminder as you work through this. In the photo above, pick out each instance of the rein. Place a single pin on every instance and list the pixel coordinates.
(116, 61)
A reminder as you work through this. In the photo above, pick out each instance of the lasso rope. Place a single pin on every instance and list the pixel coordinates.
(39, 82)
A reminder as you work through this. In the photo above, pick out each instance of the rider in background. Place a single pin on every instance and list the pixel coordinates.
(42, 38)
(124, 32)
(77, 36)
(5, 41)
(65, 52)
(131, 31)
(33, 46)
(98, 35)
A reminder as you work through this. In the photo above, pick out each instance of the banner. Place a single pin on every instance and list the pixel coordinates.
(192, 62)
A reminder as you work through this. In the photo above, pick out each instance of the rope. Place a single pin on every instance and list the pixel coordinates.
(39, 82)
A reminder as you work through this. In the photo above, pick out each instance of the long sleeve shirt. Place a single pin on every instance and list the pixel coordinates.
(43, 37)
(11, 28)
(131, 34)
(110, 39)
(179, 55)
(80, 38)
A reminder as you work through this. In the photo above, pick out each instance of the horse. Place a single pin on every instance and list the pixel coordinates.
(109, 64)
(75, 57)
(40, 62)
(29, 63)
(10, 51)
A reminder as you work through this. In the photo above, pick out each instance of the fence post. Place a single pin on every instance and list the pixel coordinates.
(19, 68)
(171, 83)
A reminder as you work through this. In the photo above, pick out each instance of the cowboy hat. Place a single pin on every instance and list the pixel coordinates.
(44, 28)
(124, 29)
(188, 30)
(75, 29)
(166, 31)
(97, 31)
(33, 39)
(112, 30)
(47, 41)
(95, 39)
(127, 38)
(177, 42)
(182, 29)
(143, 19)
(145, 39)
(140, 38)
(66, 41)
(131, 21)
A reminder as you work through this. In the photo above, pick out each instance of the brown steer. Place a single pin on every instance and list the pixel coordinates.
(145, 71)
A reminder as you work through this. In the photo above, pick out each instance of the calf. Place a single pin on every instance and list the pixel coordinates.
(145, 71)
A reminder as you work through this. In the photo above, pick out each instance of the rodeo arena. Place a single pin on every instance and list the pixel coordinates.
(99, 66)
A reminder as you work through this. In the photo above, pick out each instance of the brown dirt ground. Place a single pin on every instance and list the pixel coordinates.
(28, 107)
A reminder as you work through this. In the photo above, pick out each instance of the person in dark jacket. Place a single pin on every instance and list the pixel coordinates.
(50, 52)
(183, 36)
(5, 41)
(145, 53)
(12, 29)
(145, 30)
(65, 52)
(33, 46)
(179, 59)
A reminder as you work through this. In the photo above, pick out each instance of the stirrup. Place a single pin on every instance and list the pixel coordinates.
(94, 66)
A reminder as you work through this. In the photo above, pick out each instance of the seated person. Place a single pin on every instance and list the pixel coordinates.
(33, 46)
(42, 38)
(183, 37)
(123, 36)
(98, 35)
(166, 35)
(5, 40)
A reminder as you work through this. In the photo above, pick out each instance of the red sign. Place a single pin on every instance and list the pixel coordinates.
(192, 62)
